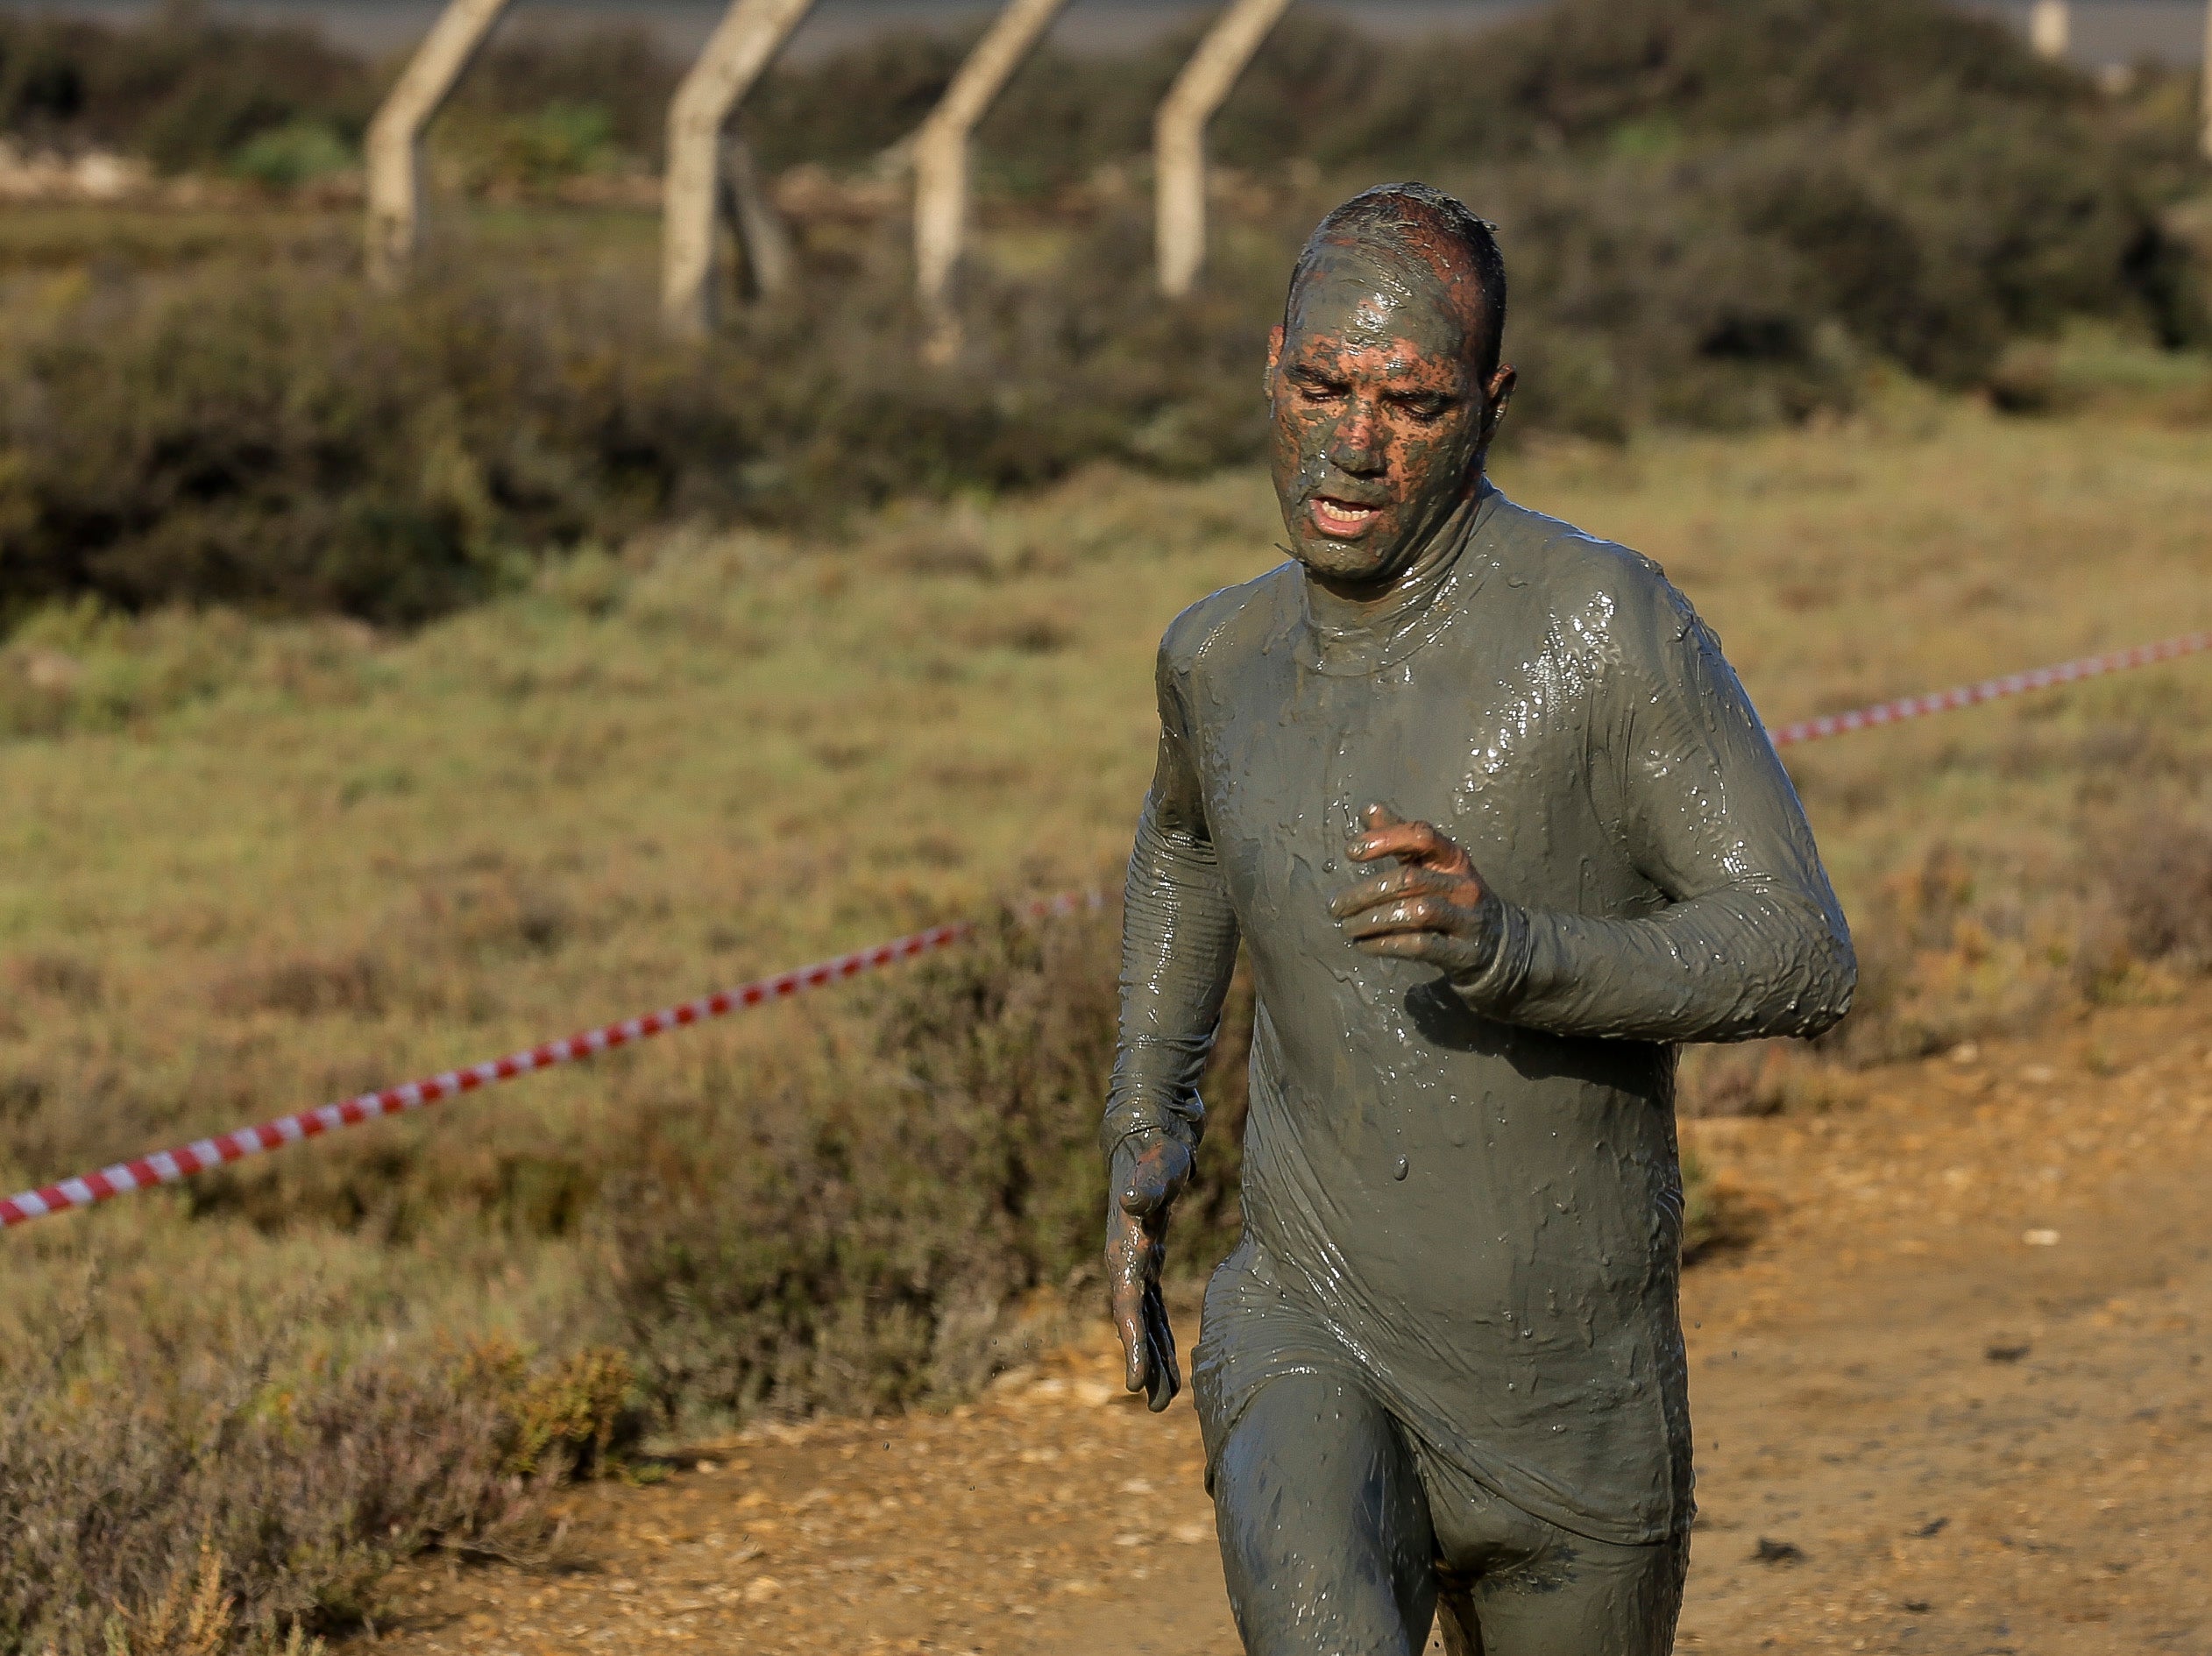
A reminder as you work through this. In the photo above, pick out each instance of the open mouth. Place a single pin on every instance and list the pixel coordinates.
(1336, 516)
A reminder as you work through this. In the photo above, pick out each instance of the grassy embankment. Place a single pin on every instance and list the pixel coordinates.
(251, 866)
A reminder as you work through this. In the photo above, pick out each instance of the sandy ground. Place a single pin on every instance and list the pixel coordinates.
(1952, 1399)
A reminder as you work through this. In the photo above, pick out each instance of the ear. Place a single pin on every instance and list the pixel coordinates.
(1496, 398)
(1274, 361)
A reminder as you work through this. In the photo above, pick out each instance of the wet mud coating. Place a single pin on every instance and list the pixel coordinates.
(1444, 1365)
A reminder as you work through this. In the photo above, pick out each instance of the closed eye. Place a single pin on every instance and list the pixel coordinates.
(1315, 387)
(1426, 407)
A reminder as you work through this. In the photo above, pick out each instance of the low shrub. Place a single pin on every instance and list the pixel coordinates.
(284, 158)
(575, 99)
(902, 1224)
(280, 439)
(196, 1616)
(238, 1496)
(283, 106)
(1720, 1216)
(183, 89)
(2162, 889)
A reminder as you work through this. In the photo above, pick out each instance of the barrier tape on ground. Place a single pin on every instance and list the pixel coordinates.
(166, 1167)
(1989, 690)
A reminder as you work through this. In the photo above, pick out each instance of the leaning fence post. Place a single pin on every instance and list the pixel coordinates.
(2205, 113)
(396, 134)
(742, 46)
(763, 237)
(940, 156)
(1178, 136)
(2049, 29)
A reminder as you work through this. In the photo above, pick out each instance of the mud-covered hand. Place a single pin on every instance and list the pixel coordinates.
(1432, 906)
(1149, 1171)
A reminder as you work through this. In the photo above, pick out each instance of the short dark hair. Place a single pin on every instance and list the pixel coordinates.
(1429, 229)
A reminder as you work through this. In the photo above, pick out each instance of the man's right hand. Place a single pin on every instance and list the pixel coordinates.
(1149, 1173)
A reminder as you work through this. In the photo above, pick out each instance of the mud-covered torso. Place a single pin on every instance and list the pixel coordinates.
(1488, 1215)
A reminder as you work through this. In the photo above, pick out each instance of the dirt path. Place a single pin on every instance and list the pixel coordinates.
(1954, 1400)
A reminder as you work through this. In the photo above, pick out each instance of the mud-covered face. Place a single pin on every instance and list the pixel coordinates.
(1380, 420)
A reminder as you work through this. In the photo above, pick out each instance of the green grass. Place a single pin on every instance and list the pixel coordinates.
(253, 865)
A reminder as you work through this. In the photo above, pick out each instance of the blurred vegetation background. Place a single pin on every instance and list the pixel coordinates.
(1720, 213)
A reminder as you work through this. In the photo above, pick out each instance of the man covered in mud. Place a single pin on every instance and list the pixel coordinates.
(1499, 828)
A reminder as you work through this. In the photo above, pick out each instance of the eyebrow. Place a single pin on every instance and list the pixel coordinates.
(1298, 367)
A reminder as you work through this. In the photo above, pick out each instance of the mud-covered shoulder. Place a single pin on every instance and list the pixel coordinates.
(1221, 621)
(1602, 601)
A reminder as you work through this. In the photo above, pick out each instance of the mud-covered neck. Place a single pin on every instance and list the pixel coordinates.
(1347, 635)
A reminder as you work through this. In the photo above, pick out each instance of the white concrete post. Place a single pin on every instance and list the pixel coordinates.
(2207, 111)
(941, 150)
(1178, 136)
(2049, 29)
(742, 46)
(396, 134)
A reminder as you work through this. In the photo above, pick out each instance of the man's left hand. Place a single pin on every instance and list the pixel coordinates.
(1434, 906)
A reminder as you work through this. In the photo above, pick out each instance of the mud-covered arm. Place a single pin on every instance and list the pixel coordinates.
(1179, 947)
(1750, 940)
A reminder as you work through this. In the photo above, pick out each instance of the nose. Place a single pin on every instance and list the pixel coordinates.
(1358, 445)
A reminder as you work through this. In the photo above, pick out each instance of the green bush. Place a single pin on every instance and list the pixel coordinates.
(182, 90)
(844, 110)
(285, 157)
(281, 439)
(616, 81)
(872, 1233)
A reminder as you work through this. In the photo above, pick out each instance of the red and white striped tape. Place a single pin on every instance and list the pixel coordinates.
(166, 1167)
(1989, 690)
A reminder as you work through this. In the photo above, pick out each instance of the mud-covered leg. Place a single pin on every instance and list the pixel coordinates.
(1325, 1528)
(1577, 1597)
